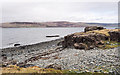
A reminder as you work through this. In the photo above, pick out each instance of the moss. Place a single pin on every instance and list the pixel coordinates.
(104, 31)
(110, 44)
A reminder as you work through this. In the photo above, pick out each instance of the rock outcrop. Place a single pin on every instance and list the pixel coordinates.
(114, 36)
(83, 41)
(90, 39)
(90, 28)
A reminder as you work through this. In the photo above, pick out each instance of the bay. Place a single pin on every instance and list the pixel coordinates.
(26, 36)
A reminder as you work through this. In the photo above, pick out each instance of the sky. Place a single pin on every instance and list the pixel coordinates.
(72, 10)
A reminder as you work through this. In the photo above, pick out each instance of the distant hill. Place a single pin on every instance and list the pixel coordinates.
(105, 24)
(53, 24)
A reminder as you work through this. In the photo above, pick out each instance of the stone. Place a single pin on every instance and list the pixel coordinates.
(99, 42)
(59, 43)
(54, 66)
(4, 65)
(4, 58)
(25, 65)
(80, 46)
(90, 28)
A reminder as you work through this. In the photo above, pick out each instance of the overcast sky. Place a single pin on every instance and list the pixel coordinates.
(74, 11)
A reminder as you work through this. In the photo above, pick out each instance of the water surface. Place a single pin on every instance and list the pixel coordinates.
(25, 36)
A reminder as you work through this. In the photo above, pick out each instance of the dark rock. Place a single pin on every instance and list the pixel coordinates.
(3, 55)
(29, 65)
(99, 42)
(83, 40)
(16, 44)
(14, 62)
(59, 43)
(21, 64)
(97, 71)
(22, 47)
(4, 65)
(90, 28)
(4, 58)
(25, 65)
(54, 66)
(114, 36)
(52, 36)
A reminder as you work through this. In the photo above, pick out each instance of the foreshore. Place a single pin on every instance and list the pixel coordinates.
(50, 53)
(68, 58)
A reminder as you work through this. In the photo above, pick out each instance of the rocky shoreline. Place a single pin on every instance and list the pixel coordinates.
(53, 54)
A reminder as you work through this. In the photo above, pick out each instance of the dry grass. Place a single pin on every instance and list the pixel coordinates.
(104, 31)
(35, 69)
(15, 70)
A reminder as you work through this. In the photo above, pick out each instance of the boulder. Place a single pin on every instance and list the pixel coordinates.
(54, 66)
(114, 36)
(83, 40)
(90, 28)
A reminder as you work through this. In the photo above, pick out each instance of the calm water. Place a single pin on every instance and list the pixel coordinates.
(24, 36)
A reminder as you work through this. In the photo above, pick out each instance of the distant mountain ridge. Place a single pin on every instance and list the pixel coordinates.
(53, 24)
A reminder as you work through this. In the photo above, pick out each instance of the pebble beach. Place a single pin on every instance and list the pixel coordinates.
(94, 60)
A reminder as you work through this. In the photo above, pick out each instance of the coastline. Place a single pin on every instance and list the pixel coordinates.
(41, 45)
(49, 53)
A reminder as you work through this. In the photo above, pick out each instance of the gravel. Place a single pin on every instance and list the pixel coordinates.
(89, 60)
(95, 60)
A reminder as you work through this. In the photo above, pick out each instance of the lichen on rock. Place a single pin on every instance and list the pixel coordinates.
(91, 38)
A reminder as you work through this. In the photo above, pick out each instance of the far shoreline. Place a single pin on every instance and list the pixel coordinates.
(56, 27)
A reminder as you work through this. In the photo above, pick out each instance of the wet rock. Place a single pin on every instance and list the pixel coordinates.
(90, 28)
(54, 66)
(52, 36)
(16, 44)
(114, 36)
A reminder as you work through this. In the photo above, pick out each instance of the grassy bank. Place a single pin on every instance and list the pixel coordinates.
(15, 70)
